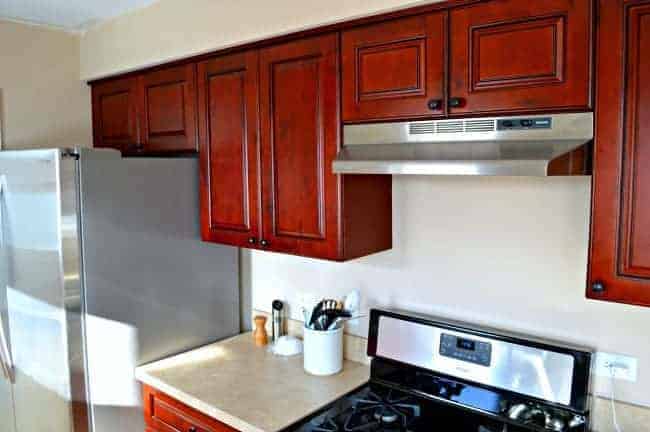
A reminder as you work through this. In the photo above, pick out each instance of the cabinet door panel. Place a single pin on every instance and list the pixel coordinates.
(619, 267)
(394, 69)
(169, 110)
(115, 122)
(228, 113)
(300, 129)
(513, 55)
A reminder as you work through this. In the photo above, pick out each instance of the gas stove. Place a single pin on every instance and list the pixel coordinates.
(434, 375)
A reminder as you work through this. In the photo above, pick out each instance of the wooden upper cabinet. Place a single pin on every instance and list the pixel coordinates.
(299, 140)
(115, 114)
(520, 56)
(228, 123)
(168, 114)
(395, 69)
(619, 265)
(307, 209)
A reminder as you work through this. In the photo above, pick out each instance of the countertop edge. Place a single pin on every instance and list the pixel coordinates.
(196, 404)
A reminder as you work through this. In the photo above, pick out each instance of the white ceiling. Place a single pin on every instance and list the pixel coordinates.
(71, 15)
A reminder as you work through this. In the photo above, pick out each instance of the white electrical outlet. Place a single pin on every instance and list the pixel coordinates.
(623, 367)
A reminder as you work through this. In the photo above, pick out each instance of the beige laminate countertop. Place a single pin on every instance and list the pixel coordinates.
(247, 387)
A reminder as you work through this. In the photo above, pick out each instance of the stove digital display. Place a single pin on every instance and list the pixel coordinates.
(468, 350)
(466, 344)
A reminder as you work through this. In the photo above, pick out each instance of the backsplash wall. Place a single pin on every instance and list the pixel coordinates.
(505, 252)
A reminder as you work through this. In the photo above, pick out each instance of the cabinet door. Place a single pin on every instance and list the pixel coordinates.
(168, 114)
(115, 119)
(619, 266)
(395, 69)
(514, 55)
(299, 140)
(228, 121)
(164, 414)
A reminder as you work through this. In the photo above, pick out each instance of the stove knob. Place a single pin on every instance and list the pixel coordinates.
(554, 423)
(515, 412)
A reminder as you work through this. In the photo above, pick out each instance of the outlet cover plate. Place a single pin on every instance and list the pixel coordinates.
(625, 367)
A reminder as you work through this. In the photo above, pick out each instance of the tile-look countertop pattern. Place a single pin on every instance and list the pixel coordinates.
(247, 387)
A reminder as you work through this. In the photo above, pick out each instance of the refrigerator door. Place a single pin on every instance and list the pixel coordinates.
(8, 423)
(39, 251)
(152, 288)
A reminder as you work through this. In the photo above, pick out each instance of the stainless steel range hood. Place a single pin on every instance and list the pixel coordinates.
(509, 146)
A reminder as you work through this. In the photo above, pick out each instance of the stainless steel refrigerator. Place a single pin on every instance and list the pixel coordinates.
(102, 269)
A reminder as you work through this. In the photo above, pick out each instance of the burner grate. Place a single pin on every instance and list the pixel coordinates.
(389, 412)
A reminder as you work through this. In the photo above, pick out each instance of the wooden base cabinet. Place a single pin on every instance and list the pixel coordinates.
(165, 414)
(619, 265)
(266, 175)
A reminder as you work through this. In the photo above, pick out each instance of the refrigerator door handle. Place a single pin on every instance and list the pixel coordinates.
(5, 355)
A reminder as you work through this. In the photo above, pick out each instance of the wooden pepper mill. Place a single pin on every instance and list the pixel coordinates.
(260, 336)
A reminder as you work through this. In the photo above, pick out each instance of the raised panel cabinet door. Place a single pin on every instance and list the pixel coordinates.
(115, 118)
(394, 69)
(619, 265)
(299, 113)
(520, 56)
(229, 154)
(168, 98)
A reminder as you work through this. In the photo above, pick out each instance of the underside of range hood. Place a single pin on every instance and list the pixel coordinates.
(508, 146)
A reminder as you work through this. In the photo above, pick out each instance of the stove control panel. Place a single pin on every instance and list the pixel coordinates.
(465, 349)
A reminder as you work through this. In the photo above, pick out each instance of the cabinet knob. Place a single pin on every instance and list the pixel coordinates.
(598, 287)
(434, 104)
(455, 102)
(252, 240)
(264, 243)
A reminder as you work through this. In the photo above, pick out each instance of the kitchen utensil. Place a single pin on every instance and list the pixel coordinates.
(260, 336)
(277, 320)
(323, 351)
(315, 313)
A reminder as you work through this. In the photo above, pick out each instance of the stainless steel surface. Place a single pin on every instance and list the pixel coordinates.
(144, 287)
(152, 287)
(34, 227)
(72, 292)
(525, 370)
(460, 147)
(6, 364)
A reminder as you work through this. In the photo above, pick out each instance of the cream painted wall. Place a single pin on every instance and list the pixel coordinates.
(173, 29)
(504, 252)
(42, 101)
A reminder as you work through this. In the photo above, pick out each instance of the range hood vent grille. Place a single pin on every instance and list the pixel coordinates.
(451, 126)
(517, 145)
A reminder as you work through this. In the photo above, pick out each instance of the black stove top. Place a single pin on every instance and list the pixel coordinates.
(377, 408)
(429, 376)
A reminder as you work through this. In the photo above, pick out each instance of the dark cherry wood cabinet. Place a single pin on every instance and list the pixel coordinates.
(162, 413)
(168, 113)
(513, 55)
(395, 69)
(619, 264)
(228, 89)
(151, 113)
(115, 114)
(307, 209)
